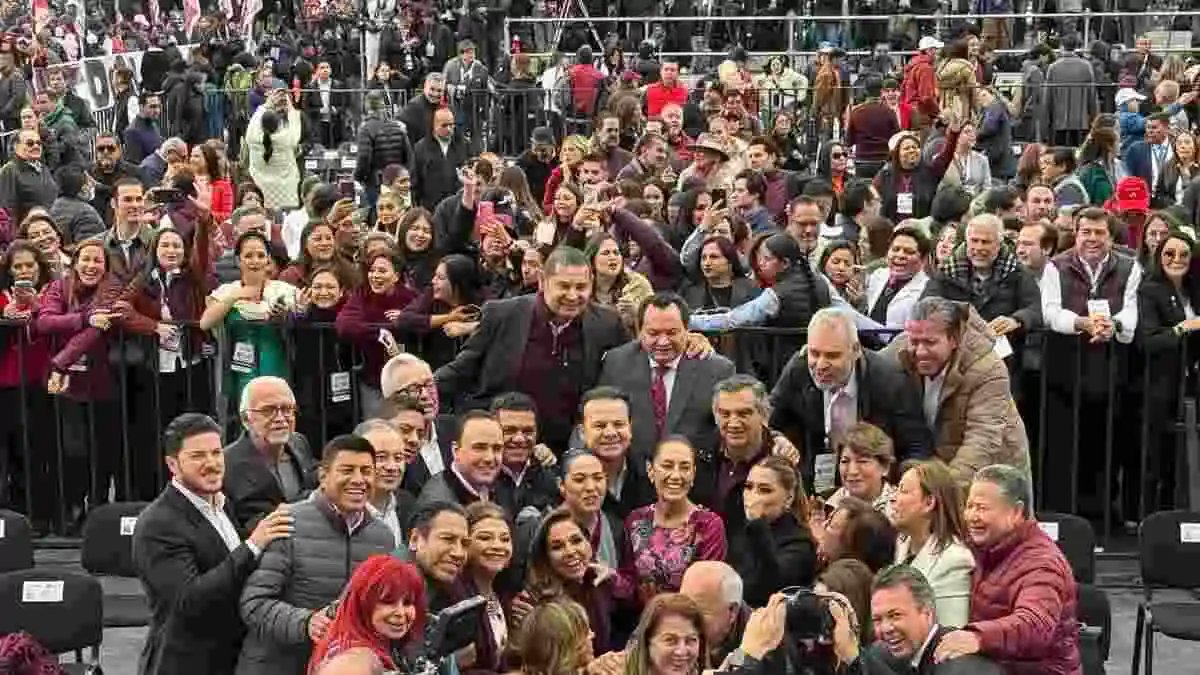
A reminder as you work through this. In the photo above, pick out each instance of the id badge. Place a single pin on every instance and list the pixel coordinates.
(824, 470)
(339, 387)
(1100, 308)
(244, 358)
(904, 203)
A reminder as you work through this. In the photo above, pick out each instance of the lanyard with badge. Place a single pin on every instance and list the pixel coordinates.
(168, 345)
(904, 198)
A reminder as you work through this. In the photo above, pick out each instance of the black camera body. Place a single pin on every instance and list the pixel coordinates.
(808, 616)
(448, 631)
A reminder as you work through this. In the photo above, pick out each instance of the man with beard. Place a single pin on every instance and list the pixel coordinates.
(144, 134)
(109, 169)
(418, 114)
(193, 579)
(290, 600)
(651, 160)
(539, 161)
(440, 538)
(607, 141)
(24, 181)
(270, 464)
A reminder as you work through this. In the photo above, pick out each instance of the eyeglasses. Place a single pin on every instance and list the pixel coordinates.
(270, 411)
(837, 155)
(32, 143)
(105, 148)
(415, 389)
(1176, 255)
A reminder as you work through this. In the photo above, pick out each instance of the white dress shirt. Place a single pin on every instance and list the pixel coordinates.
(846, 396)
(214, 512)
(1062, 320)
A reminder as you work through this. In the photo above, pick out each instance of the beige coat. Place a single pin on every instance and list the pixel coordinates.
(977, 421)
(956, 88)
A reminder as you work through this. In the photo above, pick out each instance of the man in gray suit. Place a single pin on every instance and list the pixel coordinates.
(669, 393)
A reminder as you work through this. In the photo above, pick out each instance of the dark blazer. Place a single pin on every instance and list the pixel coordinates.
(771, 556)
(690, 411)
(487, 366)
(886, 398)
(193, 583)
(417, 473)
(1139, 162)
(251, 487)
(964, 665)
(636, 491)
(312, 104)
(434, 173)
(1160, 309)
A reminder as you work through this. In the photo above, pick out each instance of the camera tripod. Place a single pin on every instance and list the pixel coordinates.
(563, 19)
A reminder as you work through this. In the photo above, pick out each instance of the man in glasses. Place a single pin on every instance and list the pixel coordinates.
(270, 464)
(25, 182)
(110, 168)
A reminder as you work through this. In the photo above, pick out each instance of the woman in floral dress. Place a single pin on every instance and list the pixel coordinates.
(662, 539)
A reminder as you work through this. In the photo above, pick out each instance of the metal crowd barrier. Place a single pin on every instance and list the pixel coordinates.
(50, 446)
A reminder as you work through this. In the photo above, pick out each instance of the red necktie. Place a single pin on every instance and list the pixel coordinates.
(658, 395)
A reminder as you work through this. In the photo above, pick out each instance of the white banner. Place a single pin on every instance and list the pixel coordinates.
(92, 78)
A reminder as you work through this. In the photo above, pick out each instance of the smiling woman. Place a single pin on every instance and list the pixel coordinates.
(383, 610)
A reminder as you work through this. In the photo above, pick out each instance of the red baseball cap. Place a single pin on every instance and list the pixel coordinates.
(1132, 195)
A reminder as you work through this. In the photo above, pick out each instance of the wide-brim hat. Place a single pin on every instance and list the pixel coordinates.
(711, 144)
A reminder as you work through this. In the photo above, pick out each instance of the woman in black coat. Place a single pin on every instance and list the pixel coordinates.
(774, 550)
(1167, 328)
(907, 183)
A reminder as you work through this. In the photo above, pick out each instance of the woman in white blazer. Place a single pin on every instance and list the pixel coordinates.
(903, 279)
(927, 511)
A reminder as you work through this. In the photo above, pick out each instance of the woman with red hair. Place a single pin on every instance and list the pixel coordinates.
(383, 609)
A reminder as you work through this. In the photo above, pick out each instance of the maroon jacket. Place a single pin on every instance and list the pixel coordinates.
(359, 321)
(64, 314)
(1023, 605)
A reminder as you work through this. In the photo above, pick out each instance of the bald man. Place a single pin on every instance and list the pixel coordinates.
(270, 464)
(717, 589)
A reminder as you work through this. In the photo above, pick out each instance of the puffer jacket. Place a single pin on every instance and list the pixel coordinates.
(381, 142)
(1023, 604)
(298, 575)
(77, 219)
(977, 421)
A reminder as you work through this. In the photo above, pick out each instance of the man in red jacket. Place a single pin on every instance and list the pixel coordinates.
(919, 88)
(1022, 589)
(667, 90)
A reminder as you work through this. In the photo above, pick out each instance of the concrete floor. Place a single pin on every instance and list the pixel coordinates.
(1118, 577)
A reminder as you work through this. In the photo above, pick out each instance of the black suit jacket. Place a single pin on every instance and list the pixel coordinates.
(886, 398)
(418, 473)
(193, 583)
(964, 665)
(690, 410)
(489, 362)
(250, 486)
(312, 103)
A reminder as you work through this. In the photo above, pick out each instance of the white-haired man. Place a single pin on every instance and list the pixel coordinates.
(407, 375)
(269, 464)
(832, 384)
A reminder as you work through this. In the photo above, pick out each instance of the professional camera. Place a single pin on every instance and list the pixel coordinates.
(449, 630)
(808, 616)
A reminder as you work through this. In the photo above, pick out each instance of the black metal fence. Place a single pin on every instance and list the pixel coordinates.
(1112, 429)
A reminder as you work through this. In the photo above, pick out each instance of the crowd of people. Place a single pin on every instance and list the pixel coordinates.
(414, 369)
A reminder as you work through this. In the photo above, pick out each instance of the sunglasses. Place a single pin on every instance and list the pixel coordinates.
(106, 148)
(32, 143)
(837, 155)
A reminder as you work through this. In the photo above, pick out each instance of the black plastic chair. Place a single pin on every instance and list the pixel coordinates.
(64, 611)
(108, 550)
(1167, 561)
(1094, 613)
(16, 542)
(1077, 540)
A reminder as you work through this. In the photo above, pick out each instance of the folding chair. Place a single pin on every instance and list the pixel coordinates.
(1076, 539)
(1169, 548)
(64, 611)
(16, 542)
(108, 550)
